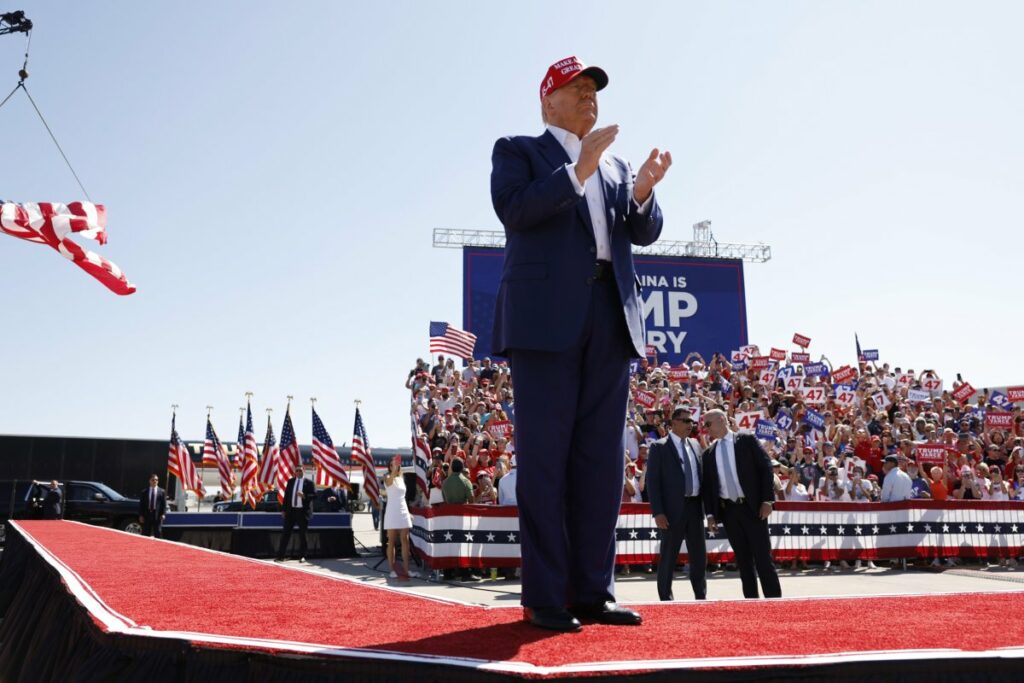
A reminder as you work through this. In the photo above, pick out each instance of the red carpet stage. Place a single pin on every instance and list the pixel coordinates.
(88, 603)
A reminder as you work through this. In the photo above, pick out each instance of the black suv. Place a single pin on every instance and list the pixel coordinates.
(91, 502)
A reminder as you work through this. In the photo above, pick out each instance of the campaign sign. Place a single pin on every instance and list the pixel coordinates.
(931, 384)
(677, 374)
(905, 379)
(739, 367)
(651, 351)
(788, 371)
(784, 421)
(688, 304)
(814, 395)
(844, 374)
(1016, 394)
(815, 369)
(918, 396)
(994, 420)
(759, 362)
(815, 419)
(1001, 401)
(501, 429)
(750, 350)
(964, 392)
(766, 378)
(801, 340)
(764, 429)
(745, 421)
(794, 384)
(645, 398)
(870, 354)
(930, 455)
(777, 354)
(800, 357)
(846, 395)
(880, 399)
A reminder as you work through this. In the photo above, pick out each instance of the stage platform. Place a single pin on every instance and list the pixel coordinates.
(88, 603)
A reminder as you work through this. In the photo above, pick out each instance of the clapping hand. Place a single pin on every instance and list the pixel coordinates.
(650, 174)
(592, 146)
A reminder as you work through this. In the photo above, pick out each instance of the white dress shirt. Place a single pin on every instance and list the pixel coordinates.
(725, 458)
(591, 188)
(296, 501)
(685, 448)
(152, 498)
(897, 486)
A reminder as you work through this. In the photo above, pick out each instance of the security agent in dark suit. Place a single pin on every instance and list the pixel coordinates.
(152, 508)
(569, 319)
(674, 485)
(298, 508)
(335, 498)
(53, 501)
(738, 492)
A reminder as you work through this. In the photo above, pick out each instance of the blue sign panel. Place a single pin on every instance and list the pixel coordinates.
(689, 304)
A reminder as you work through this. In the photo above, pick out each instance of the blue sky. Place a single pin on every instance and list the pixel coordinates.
(273, 172)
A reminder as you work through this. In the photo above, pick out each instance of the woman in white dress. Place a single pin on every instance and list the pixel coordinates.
(397, 520)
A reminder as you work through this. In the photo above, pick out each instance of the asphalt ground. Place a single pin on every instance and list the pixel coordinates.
(640, 586)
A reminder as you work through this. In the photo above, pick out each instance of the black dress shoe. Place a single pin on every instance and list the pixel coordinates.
(551, 618)
(607, 613)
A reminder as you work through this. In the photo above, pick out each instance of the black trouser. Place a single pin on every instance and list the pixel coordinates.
(748, 536)
(152, 525)
(293, 516)
(690, 527)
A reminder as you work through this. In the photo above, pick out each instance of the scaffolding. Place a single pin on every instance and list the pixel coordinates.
(703, 244)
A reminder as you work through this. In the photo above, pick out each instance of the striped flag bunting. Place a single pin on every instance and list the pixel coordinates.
(488, 535)
(213, 450)
(361, 454)
(447, 339)
(329, 471)
(239, 457)
(53, 224)
(179, 463)
(250, 463)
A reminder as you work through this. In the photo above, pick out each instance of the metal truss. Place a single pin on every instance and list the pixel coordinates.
(703, 244)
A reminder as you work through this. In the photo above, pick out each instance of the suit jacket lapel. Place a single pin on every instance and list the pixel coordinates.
(609, 187)
(555, 154)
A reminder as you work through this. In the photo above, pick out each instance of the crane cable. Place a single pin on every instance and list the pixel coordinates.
(23, 75)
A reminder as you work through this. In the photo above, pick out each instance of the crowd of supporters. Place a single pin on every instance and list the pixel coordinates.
(880, 419)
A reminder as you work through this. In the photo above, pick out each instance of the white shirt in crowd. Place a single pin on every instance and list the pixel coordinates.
(897, 486)
(592, 190)
(798, 492)
(993, 492)
(725, 458)
(507, 488)
(632, 442)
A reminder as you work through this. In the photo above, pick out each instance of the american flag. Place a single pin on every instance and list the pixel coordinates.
(447, 339)
(270, 463)
(361, 454)
(289, 446)
(214, 450)
(329, 471)
(179, 463)
(250, 463)
(239, 457)
(420, 455)
(53, 224)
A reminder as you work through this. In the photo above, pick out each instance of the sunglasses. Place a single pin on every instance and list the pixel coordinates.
(684, 419)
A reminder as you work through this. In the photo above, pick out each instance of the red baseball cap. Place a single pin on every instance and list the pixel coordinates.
(565, 70)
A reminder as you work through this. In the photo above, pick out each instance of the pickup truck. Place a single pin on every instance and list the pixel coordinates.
(91, 502)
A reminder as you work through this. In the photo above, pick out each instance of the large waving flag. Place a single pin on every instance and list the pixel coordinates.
(53, 224)
(269, 461)
(361, 454)
(250, 463)
(239, 458)
(420, 455)
(214, 450)
(179, 463)
(447, 339)
(329, 471)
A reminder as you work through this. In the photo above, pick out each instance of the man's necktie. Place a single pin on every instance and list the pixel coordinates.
(295, 494)
(687, 470)
(152, 500)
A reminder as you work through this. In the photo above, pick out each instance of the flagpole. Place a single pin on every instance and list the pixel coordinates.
(357, 402)
(179, 496)
(202, 463)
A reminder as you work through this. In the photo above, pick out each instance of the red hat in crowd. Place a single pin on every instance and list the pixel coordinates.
(565, 70)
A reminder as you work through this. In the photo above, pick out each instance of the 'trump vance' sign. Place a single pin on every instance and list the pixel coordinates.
(688, 304)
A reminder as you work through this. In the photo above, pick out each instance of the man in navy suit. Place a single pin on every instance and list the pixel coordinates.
(673, 486)
(152, 508)
(569, 319)
(299, 493)
(738, 492)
